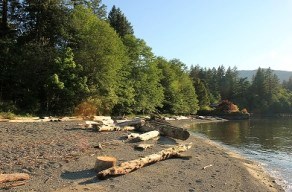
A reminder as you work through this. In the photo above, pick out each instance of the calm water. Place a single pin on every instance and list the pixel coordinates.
(268, 141)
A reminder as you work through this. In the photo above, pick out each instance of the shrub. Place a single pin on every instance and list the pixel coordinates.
(227, 107)
(85, 109)
(7, 115)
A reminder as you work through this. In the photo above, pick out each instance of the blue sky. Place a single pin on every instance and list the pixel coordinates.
(244, 33)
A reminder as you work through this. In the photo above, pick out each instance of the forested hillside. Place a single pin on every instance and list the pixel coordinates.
(64, 57)
(282, 75)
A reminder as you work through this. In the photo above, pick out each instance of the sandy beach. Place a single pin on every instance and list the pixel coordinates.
(60, 156)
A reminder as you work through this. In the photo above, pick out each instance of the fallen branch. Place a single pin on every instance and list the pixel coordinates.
(133, 165)
(13, 177)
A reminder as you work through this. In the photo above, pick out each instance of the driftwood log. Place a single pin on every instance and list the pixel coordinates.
(147, 136)
(133, 165)
(165, 129)
(13, 177)
(135, 122)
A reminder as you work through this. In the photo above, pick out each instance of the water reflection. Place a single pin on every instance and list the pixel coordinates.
(266, 134)
(268, 141)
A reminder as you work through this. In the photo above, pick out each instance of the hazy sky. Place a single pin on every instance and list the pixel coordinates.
(244, 33)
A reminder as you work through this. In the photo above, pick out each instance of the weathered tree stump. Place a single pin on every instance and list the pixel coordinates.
(104, 162)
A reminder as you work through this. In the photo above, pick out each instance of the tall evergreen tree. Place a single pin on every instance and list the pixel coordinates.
(119, 22)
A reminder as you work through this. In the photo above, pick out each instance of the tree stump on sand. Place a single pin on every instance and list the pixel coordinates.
(104, 162)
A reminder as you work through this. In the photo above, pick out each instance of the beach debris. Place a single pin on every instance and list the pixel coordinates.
(207, 166)
(105, 123)
(11, 185)
(13, 177)
(128, 128)
(143, 137)
(133, 165)
(143, 146)
(104, 162)
(134, 122)
(147, 136)
(133, 135)
(165, 129)
(99, 146)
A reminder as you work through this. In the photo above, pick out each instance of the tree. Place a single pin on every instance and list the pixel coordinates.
(202, 93)
(119, 22)
(65, 88)
(197, 74)
(180, 95)
(288, 84)
(102, 55)
(144, 76)
(95, 6)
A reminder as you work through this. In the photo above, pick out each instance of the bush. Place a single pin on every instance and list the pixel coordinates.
(7, 115)
(85, 109)
(227, 107)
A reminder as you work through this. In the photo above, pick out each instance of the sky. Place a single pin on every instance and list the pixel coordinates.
(244, 33)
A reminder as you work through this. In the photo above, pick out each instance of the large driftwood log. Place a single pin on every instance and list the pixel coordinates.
(134, 122)
(147, 136)
(13, 177)
(165, 129)
(133, 165)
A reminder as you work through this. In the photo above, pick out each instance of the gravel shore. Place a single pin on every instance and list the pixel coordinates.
(60, 156)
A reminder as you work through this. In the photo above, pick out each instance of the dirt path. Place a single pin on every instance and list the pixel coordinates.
(60, 156)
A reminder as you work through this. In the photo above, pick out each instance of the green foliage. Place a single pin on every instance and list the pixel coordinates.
(101, 53)
(57, 57)
(119, 22)
(7, 115)
(65, 87)
(180, 98)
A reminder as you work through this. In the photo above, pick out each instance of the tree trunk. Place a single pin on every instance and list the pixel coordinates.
(133, 165)
(165, 129)
(13, 177)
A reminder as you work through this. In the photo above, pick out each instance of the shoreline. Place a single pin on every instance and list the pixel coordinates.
(233, 153)
(70, 156)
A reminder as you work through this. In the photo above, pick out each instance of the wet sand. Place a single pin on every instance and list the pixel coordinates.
(60, 156)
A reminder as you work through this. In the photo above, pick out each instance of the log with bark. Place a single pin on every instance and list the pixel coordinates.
(13, 177)
(133, 165)
(165, 129)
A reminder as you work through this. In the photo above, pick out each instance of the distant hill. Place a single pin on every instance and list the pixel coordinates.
(282, 75)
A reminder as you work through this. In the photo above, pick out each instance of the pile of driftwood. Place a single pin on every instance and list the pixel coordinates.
(148, 129)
